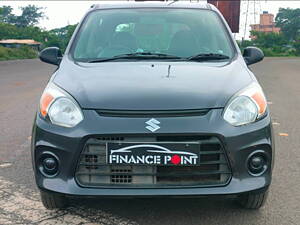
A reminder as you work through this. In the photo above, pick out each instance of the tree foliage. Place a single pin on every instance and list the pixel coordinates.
(289, 22)
(30, 15)
(63, 35)
(24, 27)
(57, 37)
(6, 14)
(272, 44)
(268, 40)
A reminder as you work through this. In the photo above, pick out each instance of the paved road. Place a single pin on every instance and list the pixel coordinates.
(21, 83)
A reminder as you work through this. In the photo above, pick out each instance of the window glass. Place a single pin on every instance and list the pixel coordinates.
(180, 32)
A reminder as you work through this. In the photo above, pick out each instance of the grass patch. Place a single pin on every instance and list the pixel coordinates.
(17, 53)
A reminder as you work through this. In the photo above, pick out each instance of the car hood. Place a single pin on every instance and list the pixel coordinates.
(149, 86)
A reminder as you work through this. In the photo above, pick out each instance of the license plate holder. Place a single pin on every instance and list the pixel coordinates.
(164, 154)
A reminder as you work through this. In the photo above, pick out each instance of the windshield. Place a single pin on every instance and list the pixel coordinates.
(175, 32)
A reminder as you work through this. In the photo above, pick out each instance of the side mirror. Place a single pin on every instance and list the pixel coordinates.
(51, 55)
(253, 55)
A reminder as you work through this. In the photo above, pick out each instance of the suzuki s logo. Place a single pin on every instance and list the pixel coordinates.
(153, 125)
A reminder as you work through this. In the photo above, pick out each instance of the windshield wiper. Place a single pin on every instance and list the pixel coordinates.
(138, 55)
(207, 56)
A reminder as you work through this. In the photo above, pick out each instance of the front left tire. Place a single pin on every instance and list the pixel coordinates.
(53, 200)
(253, 200)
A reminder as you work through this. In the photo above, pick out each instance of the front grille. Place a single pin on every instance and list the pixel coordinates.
(155, 113)
(119, 177)
(93, 171)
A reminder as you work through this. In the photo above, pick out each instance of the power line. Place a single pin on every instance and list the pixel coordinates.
(259, 7)
(254, 12)
(245, 29)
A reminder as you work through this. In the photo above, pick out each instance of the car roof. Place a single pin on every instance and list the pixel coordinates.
(151, 4)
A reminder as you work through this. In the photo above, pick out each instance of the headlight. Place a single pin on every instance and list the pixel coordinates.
(60, 107)
(246, 107)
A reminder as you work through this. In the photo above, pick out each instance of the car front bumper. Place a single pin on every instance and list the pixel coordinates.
(67, 144)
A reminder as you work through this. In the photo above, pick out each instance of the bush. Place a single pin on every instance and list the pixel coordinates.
(274, 52)
(283, 50)
(296, 45)
(17, 53)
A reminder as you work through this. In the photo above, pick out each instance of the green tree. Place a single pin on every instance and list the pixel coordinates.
(268, 40)
(6, 14)
(289, 22)
(30, 16)
(61, 36)
(24, 27)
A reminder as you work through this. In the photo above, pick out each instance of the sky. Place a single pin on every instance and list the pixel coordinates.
(62, 13)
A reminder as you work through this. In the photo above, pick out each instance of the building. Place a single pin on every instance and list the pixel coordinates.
(14, 43)
(231, 12)
(266, 24)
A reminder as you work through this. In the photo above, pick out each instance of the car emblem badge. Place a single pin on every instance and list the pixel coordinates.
(153, 125)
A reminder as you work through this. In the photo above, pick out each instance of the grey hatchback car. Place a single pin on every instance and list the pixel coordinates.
(152, 99)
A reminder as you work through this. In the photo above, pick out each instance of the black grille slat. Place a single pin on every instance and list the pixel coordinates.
(210, 152)
(88, 154)
(153, 174)
(213, 168)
